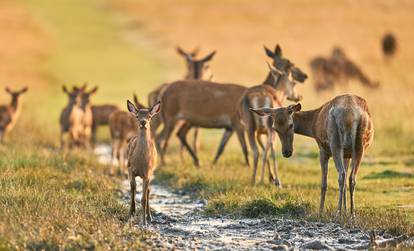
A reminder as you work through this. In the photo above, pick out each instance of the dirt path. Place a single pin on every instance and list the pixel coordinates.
(179, 223)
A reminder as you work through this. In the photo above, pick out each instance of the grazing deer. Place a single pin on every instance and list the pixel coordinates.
(337, 68)
(389, 45)
(71, 117)
(100, 117)
(87, 119)
(122, 126)
(10, 113)
(142, 157)
(343, 129)
(210, 105)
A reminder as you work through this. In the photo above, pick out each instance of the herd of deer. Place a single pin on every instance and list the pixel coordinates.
(342, 127)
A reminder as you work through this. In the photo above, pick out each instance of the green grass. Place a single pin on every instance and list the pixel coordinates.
(380, 197)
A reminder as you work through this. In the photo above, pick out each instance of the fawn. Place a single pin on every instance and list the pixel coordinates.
(142, 157)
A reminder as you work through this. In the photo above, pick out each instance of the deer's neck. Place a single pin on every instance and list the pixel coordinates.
(275, 84)
(144, 136)
(270, 80)
(304, 121)
(15, 104)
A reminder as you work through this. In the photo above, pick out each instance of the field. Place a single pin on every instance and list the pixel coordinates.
(53, 199)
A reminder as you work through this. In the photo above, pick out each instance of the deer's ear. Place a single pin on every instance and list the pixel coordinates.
(181, 51)
(208, 57)
(25, 89)
(294, 108)
(278, 50)
(131, 107)
(155, 108)
(262, 111)
(7, 89)
(94, 90)
(269, 53)
(64, 89)
(299, 75)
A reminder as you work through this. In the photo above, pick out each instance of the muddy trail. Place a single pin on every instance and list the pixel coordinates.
(178, 223)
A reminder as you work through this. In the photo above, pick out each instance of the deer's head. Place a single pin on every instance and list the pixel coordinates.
(15, 94)
(85, 96)
(282, 123)
(143, 115)
(282, 68)
(195, 67)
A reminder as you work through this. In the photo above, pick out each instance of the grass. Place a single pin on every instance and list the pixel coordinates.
(60, 200)
(380, 194)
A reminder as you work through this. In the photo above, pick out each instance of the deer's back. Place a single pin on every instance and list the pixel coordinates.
(101, 113)
(347, 114)
(122, 125)
(202, 103)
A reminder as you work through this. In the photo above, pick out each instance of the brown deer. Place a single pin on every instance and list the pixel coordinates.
(342, 128)
(142, 157)
(269, 96)
(87, 119)
(336, 69)
(10, 113)
(122, 126)
(210, 105)
(71, 117)
(196, 69)
(100, 117)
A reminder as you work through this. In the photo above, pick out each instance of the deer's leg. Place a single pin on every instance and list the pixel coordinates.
(226, 136)
(182, 135)
(338, 157)
(115, 143)
(144, 199)
(195, 140)
(264, 158)
(323, 158)
(275, 178)
(133, 185)
(253, 145)
(242, 141)
(149, 217)
(164, 137)
(93, 134)
(122, 158)
(62, 140)
(346, 165)
(356, 161)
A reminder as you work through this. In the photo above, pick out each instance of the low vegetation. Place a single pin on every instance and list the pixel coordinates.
(52, 199)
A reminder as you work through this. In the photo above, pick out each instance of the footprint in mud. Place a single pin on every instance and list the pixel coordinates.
(179, 224)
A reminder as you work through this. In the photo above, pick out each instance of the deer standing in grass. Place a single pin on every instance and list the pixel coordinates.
(196, 69)
(211, 105)
(87, 118)
(122, 126)
(142, 157)
(70, 119)
(270, 95)
(343, 129)
(100, 117)
(10, 113)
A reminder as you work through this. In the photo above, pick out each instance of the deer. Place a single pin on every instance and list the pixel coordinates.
(87, 118)
(71, 117)
(270, 96)
(122, 126)
(10, 113)
(210, 105)
(337, 68)
(100, 117)
(342, 128)
(196, 69)
(142, 157)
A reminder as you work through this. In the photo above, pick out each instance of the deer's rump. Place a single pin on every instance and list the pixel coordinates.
(201, 103)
